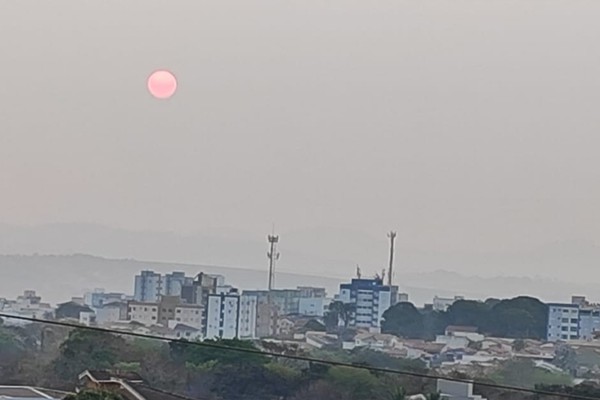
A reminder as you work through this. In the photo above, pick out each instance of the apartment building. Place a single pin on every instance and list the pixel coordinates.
(578, 320)
(231, 315)
(148, 287)
(168, 310)
(371, 298)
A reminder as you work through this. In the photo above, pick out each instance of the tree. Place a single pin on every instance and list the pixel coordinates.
(11, 353)
(380, 359)
(85, 349)
(565, 358)
(524, 373)
(94, 395)
(403, 319)
(356, 382)
(469, 313)
(188, 352)
(520, 317)
(398, 394)
(338, 311)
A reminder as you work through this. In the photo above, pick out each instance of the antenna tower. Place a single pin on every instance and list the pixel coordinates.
(392, 236)
(273, 256)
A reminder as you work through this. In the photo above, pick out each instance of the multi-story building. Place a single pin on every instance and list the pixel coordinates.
(371, 298)
(29, 304)
(197, 290)
(111, 312)
(313, 306)
(222, 315)
(142, 312)
(311, 292)
(148, 287)
(267, 315)
(167, 311)
(287, 301)
(577, 320)
(190, 315)
(174, 282)
(230, 315)
(248, 317)
(443, 303)
(98, 298)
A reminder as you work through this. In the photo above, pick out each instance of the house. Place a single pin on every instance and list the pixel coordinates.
(422, 349)
(470, 332)
(375, 341)
(182, 331)
(320, 340)
(71, 310)
(452, 342)
(296, 326)
(127, 384)
(29, 393)
(111, 312)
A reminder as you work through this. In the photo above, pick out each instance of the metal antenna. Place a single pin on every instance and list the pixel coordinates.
(392, 236)
(273, 256)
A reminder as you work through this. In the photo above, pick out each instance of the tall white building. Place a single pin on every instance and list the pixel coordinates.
(371, 298)
(230, 315)
(222, 315)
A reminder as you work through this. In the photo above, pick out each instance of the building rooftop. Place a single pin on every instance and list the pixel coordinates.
(23, 393)
(459, 328)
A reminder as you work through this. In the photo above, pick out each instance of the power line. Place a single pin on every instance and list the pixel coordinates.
(300, 358)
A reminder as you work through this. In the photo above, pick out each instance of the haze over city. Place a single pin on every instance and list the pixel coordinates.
(469, 128)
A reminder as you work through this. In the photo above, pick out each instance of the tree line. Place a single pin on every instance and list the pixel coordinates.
(519, 317)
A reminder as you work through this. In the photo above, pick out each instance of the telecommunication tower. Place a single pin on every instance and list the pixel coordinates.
(392, 236)
(273, 256)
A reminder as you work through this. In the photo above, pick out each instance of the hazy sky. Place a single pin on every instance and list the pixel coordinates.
(464, 125)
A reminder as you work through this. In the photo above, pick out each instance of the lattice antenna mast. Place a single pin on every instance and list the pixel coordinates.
(392, 237)
(273, 256)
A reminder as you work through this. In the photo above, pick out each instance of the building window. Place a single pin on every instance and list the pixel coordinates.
(153, 317)
(565, 320)
(574, 320)
(573, 329)
(564, 328)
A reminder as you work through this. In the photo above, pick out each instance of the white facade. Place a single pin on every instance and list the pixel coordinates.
(222, 316)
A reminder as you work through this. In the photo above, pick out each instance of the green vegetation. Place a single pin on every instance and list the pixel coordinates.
(521, 317)
(94, 395)
(525, 374)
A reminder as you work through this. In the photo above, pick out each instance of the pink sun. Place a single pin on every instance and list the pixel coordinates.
(162, 84)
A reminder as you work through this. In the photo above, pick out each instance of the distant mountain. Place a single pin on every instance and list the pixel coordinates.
(317, 251)
(57, 278)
